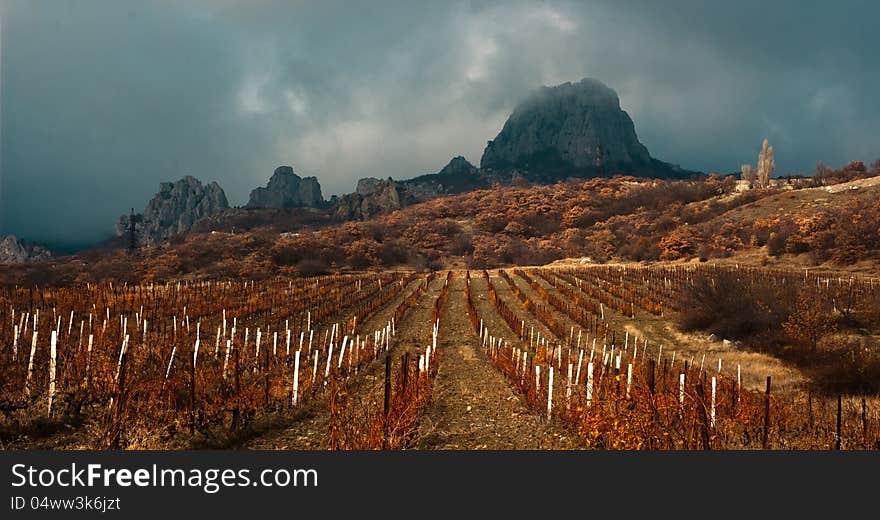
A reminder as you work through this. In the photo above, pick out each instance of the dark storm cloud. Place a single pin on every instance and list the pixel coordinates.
(101, 100)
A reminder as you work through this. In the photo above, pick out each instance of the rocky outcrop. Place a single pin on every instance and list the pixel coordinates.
(458, 176)
(372, 198)
(174, 210)
(572, 129)
(15, 251)
(287, 190)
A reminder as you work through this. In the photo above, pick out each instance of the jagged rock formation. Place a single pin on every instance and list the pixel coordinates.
(287, 190)
(175, 209)
(456, 177)
(372, 198)
(572, 129)
(15, 251)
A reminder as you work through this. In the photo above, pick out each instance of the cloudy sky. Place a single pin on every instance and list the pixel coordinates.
(102, 100)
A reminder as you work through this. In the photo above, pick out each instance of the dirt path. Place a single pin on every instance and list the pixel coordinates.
(413, 333)
(474, 407)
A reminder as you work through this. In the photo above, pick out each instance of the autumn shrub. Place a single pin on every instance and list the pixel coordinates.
(731, 307)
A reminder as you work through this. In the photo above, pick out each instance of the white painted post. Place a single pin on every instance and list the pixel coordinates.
(713, 402)
(296, 378)
(217, 342)
(738, 379)
(327, 368)
(342, 352)
(52, 364)
(30, 371)
(577, 377)
(170, 362)
(568, 388)
(550, 393)
(537, 379)
(589, 383)
(629, 378)
(315, 367)
(226, 359)
(681, 389)
(257, 351)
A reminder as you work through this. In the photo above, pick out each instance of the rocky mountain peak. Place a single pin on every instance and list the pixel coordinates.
(15, 251)
(572, 129)
(457, 176)
(286, 189)
(175, 209)
(373, 197)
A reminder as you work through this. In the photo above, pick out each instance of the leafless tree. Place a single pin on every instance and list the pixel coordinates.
(766, 165)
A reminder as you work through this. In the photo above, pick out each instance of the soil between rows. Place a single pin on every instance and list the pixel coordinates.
(475, 407)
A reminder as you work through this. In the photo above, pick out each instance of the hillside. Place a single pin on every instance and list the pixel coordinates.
(622, 218)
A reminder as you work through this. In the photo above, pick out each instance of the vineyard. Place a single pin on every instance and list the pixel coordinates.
(590, 357)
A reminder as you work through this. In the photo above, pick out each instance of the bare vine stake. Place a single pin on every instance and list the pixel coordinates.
(327, 368)
(315, 367)
(738, 381)
(568, 389)
(296, 377)
(550, 393)
(766, 437)
(27, 383)
(577, 376)
(89, 357)
(342, 352)
(257, 351)
(629, 377)
(589, 383)
(170, 362)
(681, 389)
(226, 359)
(712, 410)
(387, 402)
(838, 437)
(52, 364)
